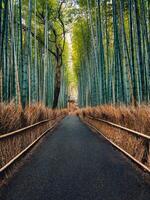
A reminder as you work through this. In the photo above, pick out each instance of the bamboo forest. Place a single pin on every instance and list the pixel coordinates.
(74, 99)
(109, 51)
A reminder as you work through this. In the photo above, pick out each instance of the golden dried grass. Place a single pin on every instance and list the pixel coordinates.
(12, 117)
(134, 118)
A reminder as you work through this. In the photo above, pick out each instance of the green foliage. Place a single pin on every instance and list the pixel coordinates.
(28, 61)
(81, 42)
(111, 52)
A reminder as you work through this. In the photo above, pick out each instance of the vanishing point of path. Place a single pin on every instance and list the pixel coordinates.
(76, 164)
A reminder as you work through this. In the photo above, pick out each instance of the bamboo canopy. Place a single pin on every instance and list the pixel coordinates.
(108, 50)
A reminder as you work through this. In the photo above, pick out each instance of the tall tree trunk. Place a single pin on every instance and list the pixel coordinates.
(17, 85)
(21, 48)
(57, 82)
(132, 60)
(27, 64)
(140, 59)
(102, 58)
(1, 51)
(119, 84)
(126, 60)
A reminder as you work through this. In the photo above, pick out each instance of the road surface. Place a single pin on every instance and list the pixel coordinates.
(76, 164)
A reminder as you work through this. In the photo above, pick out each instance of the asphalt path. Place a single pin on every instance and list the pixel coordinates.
(74, 163)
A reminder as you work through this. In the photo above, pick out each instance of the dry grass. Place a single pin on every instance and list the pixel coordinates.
(134, 118)
(13, 118)
(137, 119)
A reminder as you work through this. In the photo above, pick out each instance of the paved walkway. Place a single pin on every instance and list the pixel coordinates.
(75, 164)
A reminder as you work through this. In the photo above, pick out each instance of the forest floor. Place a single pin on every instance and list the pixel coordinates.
(76, 164)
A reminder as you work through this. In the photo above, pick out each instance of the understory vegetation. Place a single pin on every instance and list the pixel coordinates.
(15, 144)
(13, 118)
(135, 118)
